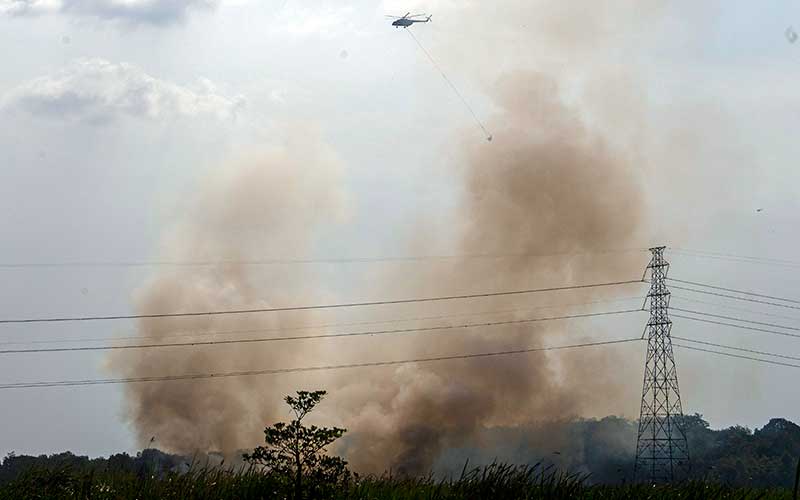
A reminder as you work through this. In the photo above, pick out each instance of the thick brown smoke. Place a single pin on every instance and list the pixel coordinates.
(275, 200)
(549, 183)
(546, 186)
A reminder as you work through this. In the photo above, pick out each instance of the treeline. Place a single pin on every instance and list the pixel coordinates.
(599, 450)
(148, 462)
(737, 455)
(602, 450)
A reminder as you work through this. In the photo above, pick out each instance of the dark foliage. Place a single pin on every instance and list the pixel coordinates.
(603, 450)
(739, 456)
(496, 481)
(298, 452)
(147, 462)
(599, 450)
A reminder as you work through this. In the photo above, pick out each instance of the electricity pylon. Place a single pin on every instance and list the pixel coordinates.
(662, 453)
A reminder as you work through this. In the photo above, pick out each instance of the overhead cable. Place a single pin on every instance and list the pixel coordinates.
(741, 349)
(734, 308)
(743, 292)
(274, 371)
(332, 260)
(734, 325)
(734, 258)
(739, 356)
(733, 318)
(734, 297)
(214, 333)
(314, 307)
(310, 337)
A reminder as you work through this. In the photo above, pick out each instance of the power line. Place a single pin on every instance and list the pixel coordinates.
(314, 307)
(732, 355)
(733, 318)
(309, 337)
(743, 292)
(735, 258)
(178, 334)
(734, 308)
(742, 349)
(750, 257)
(743, 327)
(334, 260)
(130, 380)
(776, 304)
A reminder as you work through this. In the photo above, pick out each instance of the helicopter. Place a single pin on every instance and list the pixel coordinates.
(407, 20)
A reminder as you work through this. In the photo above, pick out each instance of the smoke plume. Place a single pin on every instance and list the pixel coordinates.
(551, 182)
(274, 200)
(546, 186)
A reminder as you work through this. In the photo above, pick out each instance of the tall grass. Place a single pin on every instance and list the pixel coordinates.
(496, 481)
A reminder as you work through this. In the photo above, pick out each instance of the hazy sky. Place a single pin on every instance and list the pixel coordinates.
(114, 114)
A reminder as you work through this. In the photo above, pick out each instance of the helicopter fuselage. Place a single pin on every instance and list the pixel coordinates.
(405, 23)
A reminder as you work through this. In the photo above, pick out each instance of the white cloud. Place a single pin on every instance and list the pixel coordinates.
(97, 91)
(28, 7)
(156, 12)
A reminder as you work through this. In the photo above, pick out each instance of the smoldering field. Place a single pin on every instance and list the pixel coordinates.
(547, 185)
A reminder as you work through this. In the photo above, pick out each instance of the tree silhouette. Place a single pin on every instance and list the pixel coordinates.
(298, 452)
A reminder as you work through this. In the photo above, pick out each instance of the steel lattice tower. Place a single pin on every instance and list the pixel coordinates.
(662, 454)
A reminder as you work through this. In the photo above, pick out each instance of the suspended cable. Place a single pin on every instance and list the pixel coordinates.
(743, 327)
(736, 258)
(734, 308)
(314, 307)
(733, 318)
(732, 355)
(721, 254)
(734, 297)
(179, 334)
(743, 292)
(741, 349)
(269, 262)
(452, 86)
(196, 376)
(309, 337)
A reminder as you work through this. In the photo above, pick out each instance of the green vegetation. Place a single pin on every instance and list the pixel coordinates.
(494, 481)
(603, 450)
(734, 463)
(764, 457)
(298, 452)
